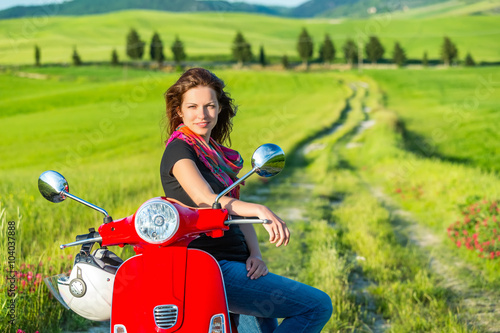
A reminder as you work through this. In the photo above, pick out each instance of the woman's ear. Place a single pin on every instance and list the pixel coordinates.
(178, 111)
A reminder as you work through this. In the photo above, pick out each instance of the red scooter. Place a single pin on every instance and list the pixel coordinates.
(165, 287)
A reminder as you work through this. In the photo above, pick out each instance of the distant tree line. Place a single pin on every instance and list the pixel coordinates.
(373, 51)
(241, 51)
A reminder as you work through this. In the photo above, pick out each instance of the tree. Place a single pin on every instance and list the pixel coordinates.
(284, 62)
(135, 46)
(374, 49)
(327, 50)
(448, 51)
(350, 51)
(262, 56)
(37, 55)
(398, 55)
(114, 58)
(469, 61)
(77, 61)
(320, 53)
(242, 50)
(305, 46)
(178, 50)
(425, 60)
(156, 49)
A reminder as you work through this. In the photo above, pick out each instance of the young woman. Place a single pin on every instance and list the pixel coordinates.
(196, 167)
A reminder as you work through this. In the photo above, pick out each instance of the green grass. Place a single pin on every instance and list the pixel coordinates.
(452, 114)
(450, 8)
(211, 34)
(103, 130)
(101, 127)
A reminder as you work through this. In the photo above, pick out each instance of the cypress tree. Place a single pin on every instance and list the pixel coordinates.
(284, 62)
(77, 61)
(262, 56)
(425, 60)
(350, 51)
(469, 61)
(320, 53)
(448, 51)
(114, 58)
(398, 56)
(37, 55)
(156, 49)
(242, 50)
(305, 46)
(135, 46)
(328, 50)
(178, 50)
(374, 49)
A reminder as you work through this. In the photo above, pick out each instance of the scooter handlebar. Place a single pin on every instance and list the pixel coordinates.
(247, 221)
(80, 242)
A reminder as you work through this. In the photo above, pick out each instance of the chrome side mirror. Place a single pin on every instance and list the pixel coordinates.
(52, 186)
(268, 160)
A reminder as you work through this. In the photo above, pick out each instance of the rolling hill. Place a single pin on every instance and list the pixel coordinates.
(210, 35)
(311, 8)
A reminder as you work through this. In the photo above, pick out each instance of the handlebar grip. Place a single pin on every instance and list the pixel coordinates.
(247, 221)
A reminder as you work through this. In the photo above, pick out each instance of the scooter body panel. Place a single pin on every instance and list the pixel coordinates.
(205, 293)
(188, 279)
(147, 281)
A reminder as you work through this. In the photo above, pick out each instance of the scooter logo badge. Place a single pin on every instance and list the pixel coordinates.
(77, 286)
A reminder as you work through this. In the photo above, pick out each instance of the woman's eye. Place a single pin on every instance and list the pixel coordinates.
(191, 107)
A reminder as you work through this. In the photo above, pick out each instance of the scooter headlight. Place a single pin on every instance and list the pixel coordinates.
(156, 221)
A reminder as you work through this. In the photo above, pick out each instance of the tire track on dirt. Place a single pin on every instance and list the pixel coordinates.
(358, 282)
(480, 307)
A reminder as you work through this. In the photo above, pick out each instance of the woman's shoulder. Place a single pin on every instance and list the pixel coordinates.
(175, 151)
(178, 144)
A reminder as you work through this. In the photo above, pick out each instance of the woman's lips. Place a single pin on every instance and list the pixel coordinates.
(203, 124)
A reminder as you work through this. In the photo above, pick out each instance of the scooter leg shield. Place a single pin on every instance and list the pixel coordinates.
(148, 293)
(205, 294)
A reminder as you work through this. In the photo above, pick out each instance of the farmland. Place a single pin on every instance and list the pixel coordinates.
(380, 163)
(209, 35)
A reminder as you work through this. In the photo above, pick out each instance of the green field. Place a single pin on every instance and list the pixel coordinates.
(453, 117)
(211, 34)
(451, 8)
(102, 128)
(379, 162)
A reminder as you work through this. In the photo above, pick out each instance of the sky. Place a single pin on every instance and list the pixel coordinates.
(287, 3)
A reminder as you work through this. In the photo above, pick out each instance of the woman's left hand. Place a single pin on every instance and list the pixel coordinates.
(256, 267)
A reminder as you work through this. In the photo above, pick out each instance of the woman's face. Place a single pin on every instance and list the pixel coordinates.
(199, 110)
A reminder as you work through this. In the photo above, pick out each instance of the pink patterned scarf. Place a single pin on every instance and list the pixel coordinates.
(223, 162)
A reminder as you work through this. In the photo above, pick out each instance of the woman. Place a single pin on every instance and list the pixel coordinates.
(195, 167)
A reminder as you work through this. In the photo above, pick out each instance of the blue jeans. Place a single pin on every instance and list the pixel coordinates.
(304, 308)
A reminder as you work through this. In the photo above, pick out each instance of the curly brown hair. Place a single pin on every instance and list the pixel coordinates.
(201, 77)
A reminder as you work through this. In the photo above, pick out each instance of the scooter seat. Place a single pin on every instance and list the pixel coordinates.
(111, 269)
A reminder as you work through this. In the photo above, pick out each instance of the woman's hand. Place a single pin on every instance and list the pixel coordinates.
(256, 267)
(277, 229)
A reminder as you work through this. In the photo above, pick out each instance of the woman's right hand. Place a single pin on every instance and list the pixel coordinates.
(277, 229)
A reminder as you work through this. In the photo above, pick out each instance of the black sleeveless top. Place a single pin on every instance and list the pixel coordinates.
(232, 245)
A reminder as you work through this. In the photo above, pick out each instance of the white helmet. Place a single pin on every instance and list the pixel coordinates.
(88, 290)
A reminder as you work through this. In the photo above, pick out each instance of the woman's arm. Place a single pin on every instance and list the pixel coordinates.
(256, 267)
(189, 177)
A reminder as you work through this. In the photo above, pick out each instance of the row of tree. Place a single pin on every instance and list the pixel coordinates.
(374, 51)
(242, 51)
